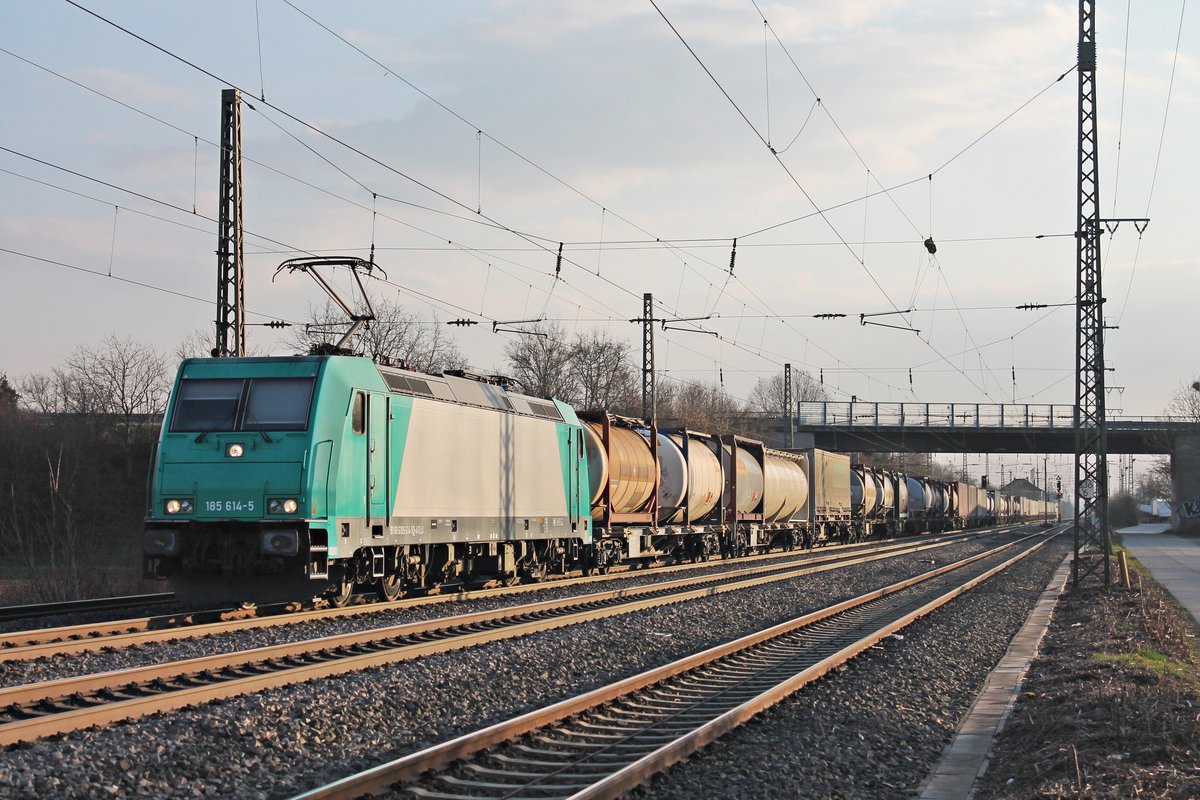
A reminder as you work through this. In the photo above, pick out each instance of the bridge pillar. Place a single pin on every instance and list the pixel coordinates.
(1185, 483)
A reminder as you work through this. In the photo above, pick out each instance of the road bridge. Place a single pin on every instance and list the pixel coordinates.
(973, 428)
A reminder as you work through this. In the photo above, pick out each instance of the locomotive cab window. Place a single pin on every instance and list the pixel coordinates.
(207, 405)
(278, 404)
(210, 405)
(359, 413)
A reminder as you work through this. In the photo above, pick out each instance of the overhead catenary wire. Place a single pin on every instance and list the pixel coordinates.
(879, 183)
(392, 73)
(152, 287)
(289, 4)
(824, 217)
(1158, 154)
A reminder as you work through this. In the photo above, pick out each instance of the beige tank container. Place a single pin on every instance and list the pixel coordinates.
(629, 472)
(749, 478)
(785, 488)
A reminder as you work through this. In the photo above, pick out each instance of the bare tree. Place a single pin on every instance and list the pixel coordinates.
(767, 394)
(71, 493)
(1185, 401)
(395, 335)
(603, 372)
(700, 406)
(1155, 482)
(56, 392)
(55, 545)
(542, 363)
(126, 383)
(197, 344)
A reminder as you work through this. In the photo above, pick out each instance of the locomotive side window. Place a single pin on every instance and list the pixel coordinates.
(278, 404)
(207, 405)
(359, 421)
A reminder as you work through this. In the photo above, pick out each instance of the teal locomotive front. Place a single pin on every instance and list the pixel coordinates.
(330, 468)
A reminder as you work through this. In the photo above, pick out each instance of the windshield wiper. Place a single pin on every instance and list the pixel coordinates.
(254, 421)
(204, 433)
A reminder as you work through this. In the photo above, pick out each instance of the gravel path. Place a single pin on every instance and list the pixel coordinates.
(17, 673)
(278, 742)
(878, 728)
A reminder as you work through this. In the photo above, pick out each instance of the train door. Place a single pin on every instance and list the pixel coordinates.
(378, 456)
(574, 456)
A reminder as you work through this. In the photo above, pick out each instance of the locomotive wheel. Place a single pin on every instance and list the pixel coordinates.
(340, 593)
(390, 588)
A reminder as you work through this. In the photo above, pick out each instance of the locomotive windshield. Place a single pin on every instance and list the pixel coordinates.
(255, 404)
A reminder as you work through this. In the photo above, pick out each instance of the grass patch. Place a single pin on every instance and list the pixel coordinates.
(1154, 662)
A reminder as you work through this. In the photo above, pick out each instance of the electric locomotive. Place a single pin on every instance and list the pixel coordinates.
(274, 475)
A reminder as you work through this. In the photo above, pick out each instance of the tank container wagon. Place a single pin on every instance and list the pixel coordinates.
(880, 499)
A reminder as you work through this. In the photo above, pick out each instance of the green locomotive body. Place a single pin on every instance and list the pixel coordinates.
(333, 471)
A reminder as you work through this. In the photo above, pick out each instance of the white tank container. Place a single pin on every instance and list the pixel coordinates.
(705, 478)
(672, 478)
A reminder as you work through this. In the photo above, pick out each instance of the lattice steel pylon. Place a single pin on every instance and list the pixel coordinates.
(788, 406)
(1093, 542)
(231, 287)
(649, 410)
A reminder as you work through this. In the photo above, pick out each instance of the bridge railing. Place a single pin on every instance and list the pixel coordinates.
(946, 415)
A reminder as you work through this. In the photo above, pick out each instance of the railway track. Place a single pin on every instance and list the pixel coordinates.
(95, 604)
(43, 709)
(607, 741)
(90, 637)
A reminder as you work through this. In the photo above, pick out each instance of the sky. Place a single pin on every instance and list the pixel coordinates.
(466, 140)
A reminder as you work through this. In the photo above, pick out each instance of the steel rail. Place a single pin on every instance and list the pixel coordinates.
(43, 709)
(619, 771)
(32, 644)
(285, 613)
(92, 604)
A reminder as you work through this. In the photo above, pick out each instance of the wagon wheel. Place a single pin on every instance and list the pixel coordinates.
(390, 588)
(536, 571)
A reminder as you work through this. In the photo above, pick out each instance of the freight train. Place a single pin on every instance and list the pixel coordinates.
(332, 474)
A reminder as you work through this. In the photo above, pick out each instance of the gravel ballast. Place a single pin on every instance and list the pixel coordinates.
(278, 742)
(878, 727)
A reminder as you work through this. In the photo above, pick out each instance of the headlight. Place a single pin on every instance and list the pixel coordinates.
(280, 505)
(160, 543)
(279, 543)
(179, 506)
(235, 450)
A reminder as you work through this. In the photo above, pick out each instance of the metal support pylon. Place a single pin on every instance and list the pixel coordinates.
(1093, 542)
(231, 289)
(788, 407)
(649, 412)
